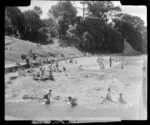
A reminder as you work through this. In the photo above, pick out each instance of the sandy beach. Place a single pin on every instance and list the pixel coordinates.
(88, 86)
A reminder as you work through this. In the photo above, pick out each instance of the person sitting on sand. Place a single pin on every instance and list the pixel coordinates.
(72, 101)
(121, 100)
(47, 97)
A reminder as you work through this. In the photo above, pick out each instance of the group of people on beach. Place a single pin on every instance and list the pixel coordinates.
(109, 98)
(101, 63)
(54, 67)
(70, 100)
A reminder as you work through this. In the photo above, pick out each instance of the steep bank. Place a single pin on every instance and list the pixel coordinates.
(15, 47)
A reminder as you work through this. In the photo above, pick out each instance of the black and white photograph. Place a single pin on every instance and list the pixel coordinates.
(83, 61)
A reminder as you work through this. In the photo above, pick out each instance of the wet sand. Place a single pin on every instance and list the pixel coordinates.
(87, 86)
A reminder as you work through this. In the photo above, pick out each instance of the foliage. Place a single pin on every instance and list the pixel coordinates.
(64, 12)
(88, 41)
(132, 29)
(51, 25)
(33, 24)
(62, 9)
(15, 20)
(37, 10)
(62, 27)
(101, 9)
(8, 25)
(99, 36)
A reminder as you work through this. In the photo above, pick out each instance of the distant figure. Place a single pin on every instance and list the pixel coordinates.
(108, 96)
(51, 77)
(64, 68)
(121, 100)
(57, 66)
(102, 66)
(71, 60)
(10, 48)
(47, 97)
(42, 70)
(80, 67)
(72, 101)
(34, 56)
(122, 66)
(110, 60)
(99, 61)
(28, 62)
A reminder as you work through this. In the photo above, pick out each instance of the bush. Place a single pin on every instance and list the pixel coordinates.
(99, 37)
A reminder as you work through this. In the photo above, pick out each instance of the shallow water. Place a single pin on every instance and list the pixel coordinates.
(33, 110)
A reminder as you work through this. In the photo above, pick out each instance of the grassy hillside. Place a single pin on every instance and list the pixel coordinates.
(15, 47)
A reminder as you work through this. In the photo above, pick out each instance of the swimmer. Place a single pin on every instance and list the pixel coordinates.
(72, 101)
(47, 97)
(121, 100)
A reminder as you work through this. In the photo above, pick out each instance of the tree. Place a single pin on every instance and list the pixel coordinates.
(62, 27)
(132, 29)
(64, 12)
(101, 9)
(33, 24)
(51, 25)
(37, 10)
(8, 25)
(17, 20)
(103, 37)
(62, 9)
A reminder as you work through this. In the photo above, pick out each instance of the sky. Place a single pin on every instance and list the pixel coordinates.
(140, 11)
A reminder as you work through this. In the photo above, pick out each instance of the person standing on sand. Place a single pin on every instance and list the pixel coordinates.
(110, 60)
(122, 66)
(27, 61)
(99, 62)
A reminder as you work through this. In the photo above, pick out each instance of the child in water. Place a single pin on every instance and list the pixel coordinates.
(47, 97)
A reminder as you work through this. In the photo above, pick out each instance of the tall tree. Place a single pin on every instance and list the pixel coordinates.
(51, 25)
(17, 20)
(8, 25)
(62, 9)
(64, 12)
(33, 24)
(132, 29)
(37, 10)
(101, 9)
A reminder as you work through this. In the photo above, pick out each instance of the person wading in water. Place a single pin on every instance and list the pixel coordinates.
(47, 97)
